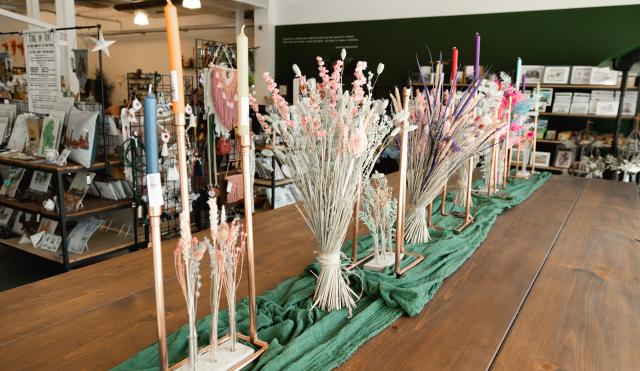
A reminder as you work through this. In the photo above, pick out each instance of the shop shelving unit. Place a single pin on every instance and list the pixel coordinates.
(104, 241)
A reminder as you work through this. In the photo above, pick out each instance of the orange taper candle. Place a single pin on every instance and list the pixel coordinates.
(175, 57)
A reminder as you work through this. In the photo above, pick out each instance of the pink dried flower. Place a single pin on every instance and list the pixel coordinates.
(357, 141)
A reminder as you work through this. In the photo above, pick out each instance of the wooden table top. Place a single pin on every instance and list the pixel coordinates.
(554, 286)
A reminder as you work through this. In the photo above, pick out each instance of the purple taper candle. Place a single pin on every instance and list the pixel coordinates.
(476, 57)
(524, 83)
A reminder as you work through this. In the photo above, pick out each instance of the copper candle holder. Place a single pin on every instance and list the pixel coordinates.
(178, 106)
(355, 262)
(402, 196)
(468, 218)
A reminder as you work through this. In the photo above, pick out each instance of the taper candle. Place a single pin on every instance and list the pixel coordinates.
(454, 68)
(476, 57)
(518, 72)
(151, 132)
(524, 83)
(175, 58)
(242, 44)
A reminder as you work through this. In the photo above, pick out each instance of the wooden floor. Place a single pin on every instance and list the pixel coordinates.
(555, 286)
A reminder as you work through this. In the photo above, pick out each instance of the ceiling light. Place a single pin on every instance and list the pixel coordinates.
(191, 4)
(141, 18)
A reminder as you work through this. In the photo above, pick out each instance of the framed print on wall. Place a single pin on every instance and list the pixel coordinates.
(603, 76)
(564, 159)
(580, 75)
(533, 74)
(542, 158)
(556, 75)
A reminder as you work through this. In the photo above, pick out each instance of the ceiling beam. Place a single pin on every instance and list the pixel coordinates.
(25, 19)
(261, 4)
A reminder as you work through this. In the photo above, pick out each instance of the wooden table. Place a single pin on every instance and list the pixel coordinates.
(555, 286)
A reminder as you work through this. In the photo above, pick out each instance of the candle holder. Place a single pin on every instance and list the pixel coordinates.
(507, 148)
(355, 262)
(402, 192)
(189, 251)
(468, 218)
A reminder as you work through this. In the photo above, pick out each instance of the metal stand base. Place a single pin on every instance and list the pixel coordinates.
(378, 265)
(467, 222)
(419, 259)
(355, 263)
(225, 358)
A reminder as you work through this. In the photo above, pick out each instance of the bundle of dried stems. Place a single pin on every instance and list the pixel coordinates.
(445, 135)
(333, 138)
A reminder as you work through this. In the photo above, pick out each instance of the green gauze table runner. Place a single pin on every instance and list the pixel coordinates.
(304, 339)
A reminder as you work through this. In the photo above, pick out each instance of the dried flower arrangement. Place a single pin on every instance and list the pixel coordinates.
(226, 250)
(446, 135)
(333, 138)
(187, 257)
(379, 212)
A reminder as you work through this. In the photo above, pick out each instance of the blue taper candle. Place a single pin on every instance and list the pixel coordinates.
(151, 132)
(518, 72)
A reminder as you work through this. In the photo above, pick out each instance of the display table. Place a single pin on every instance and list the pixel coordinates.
(553, 286)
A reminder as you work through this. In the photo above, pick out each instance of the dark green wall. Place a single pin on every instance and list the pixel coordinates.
(561, 37)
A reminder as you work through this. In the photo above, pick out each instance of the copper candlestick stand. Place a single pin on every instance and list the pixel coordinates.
(356, 229)
(402, 195)
(507, 149)
(177, 98)
(156, 245)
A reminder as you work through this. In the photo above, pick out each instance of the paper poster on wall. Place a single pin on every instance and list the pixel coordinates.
(43, 70)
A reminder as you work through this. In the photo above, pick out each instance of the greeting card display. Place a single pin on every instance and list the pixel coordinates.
(80, 136)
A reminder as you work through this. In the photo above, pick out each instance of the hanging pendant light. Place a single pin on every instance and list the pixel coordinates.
(141, 18)
(191, 4)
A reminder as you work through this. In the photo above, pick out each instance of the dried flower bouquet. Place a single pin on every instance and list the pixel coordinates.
(333, 138)
(379, 213)
(445, 136)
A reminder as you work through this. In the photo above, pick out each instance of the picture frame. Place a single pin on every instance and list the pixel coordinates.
(40, 181)
(564, 159)
(542, 158)
(533, 74)
(80, 136)
(546, 96)
(550, 135)
(603, 76)
(607, 108)
(49, 134)
(556, 75)
(561, 106)
(5, 216)
(580, 75)
(12, 182)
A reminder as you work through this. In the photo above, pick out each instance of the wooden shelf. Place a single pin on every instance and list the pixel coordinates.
(92, 206)
(540, 167)
(42, 165)
(560, 142)
(102, 242)
(585, 87)
(587, 116)
(548, 141)
(267, 182)
(553, 86)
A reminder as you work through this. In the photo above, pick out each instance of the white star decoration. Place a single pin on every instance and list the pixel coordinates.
(102, 44)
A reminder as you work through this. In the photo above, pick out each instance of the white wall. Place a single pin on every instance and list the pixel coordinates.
(314, 11)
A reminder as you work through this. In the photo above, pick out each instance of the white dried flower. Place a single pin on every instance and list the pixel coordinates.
(343, 54)
(380, 68)
(296, 70)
